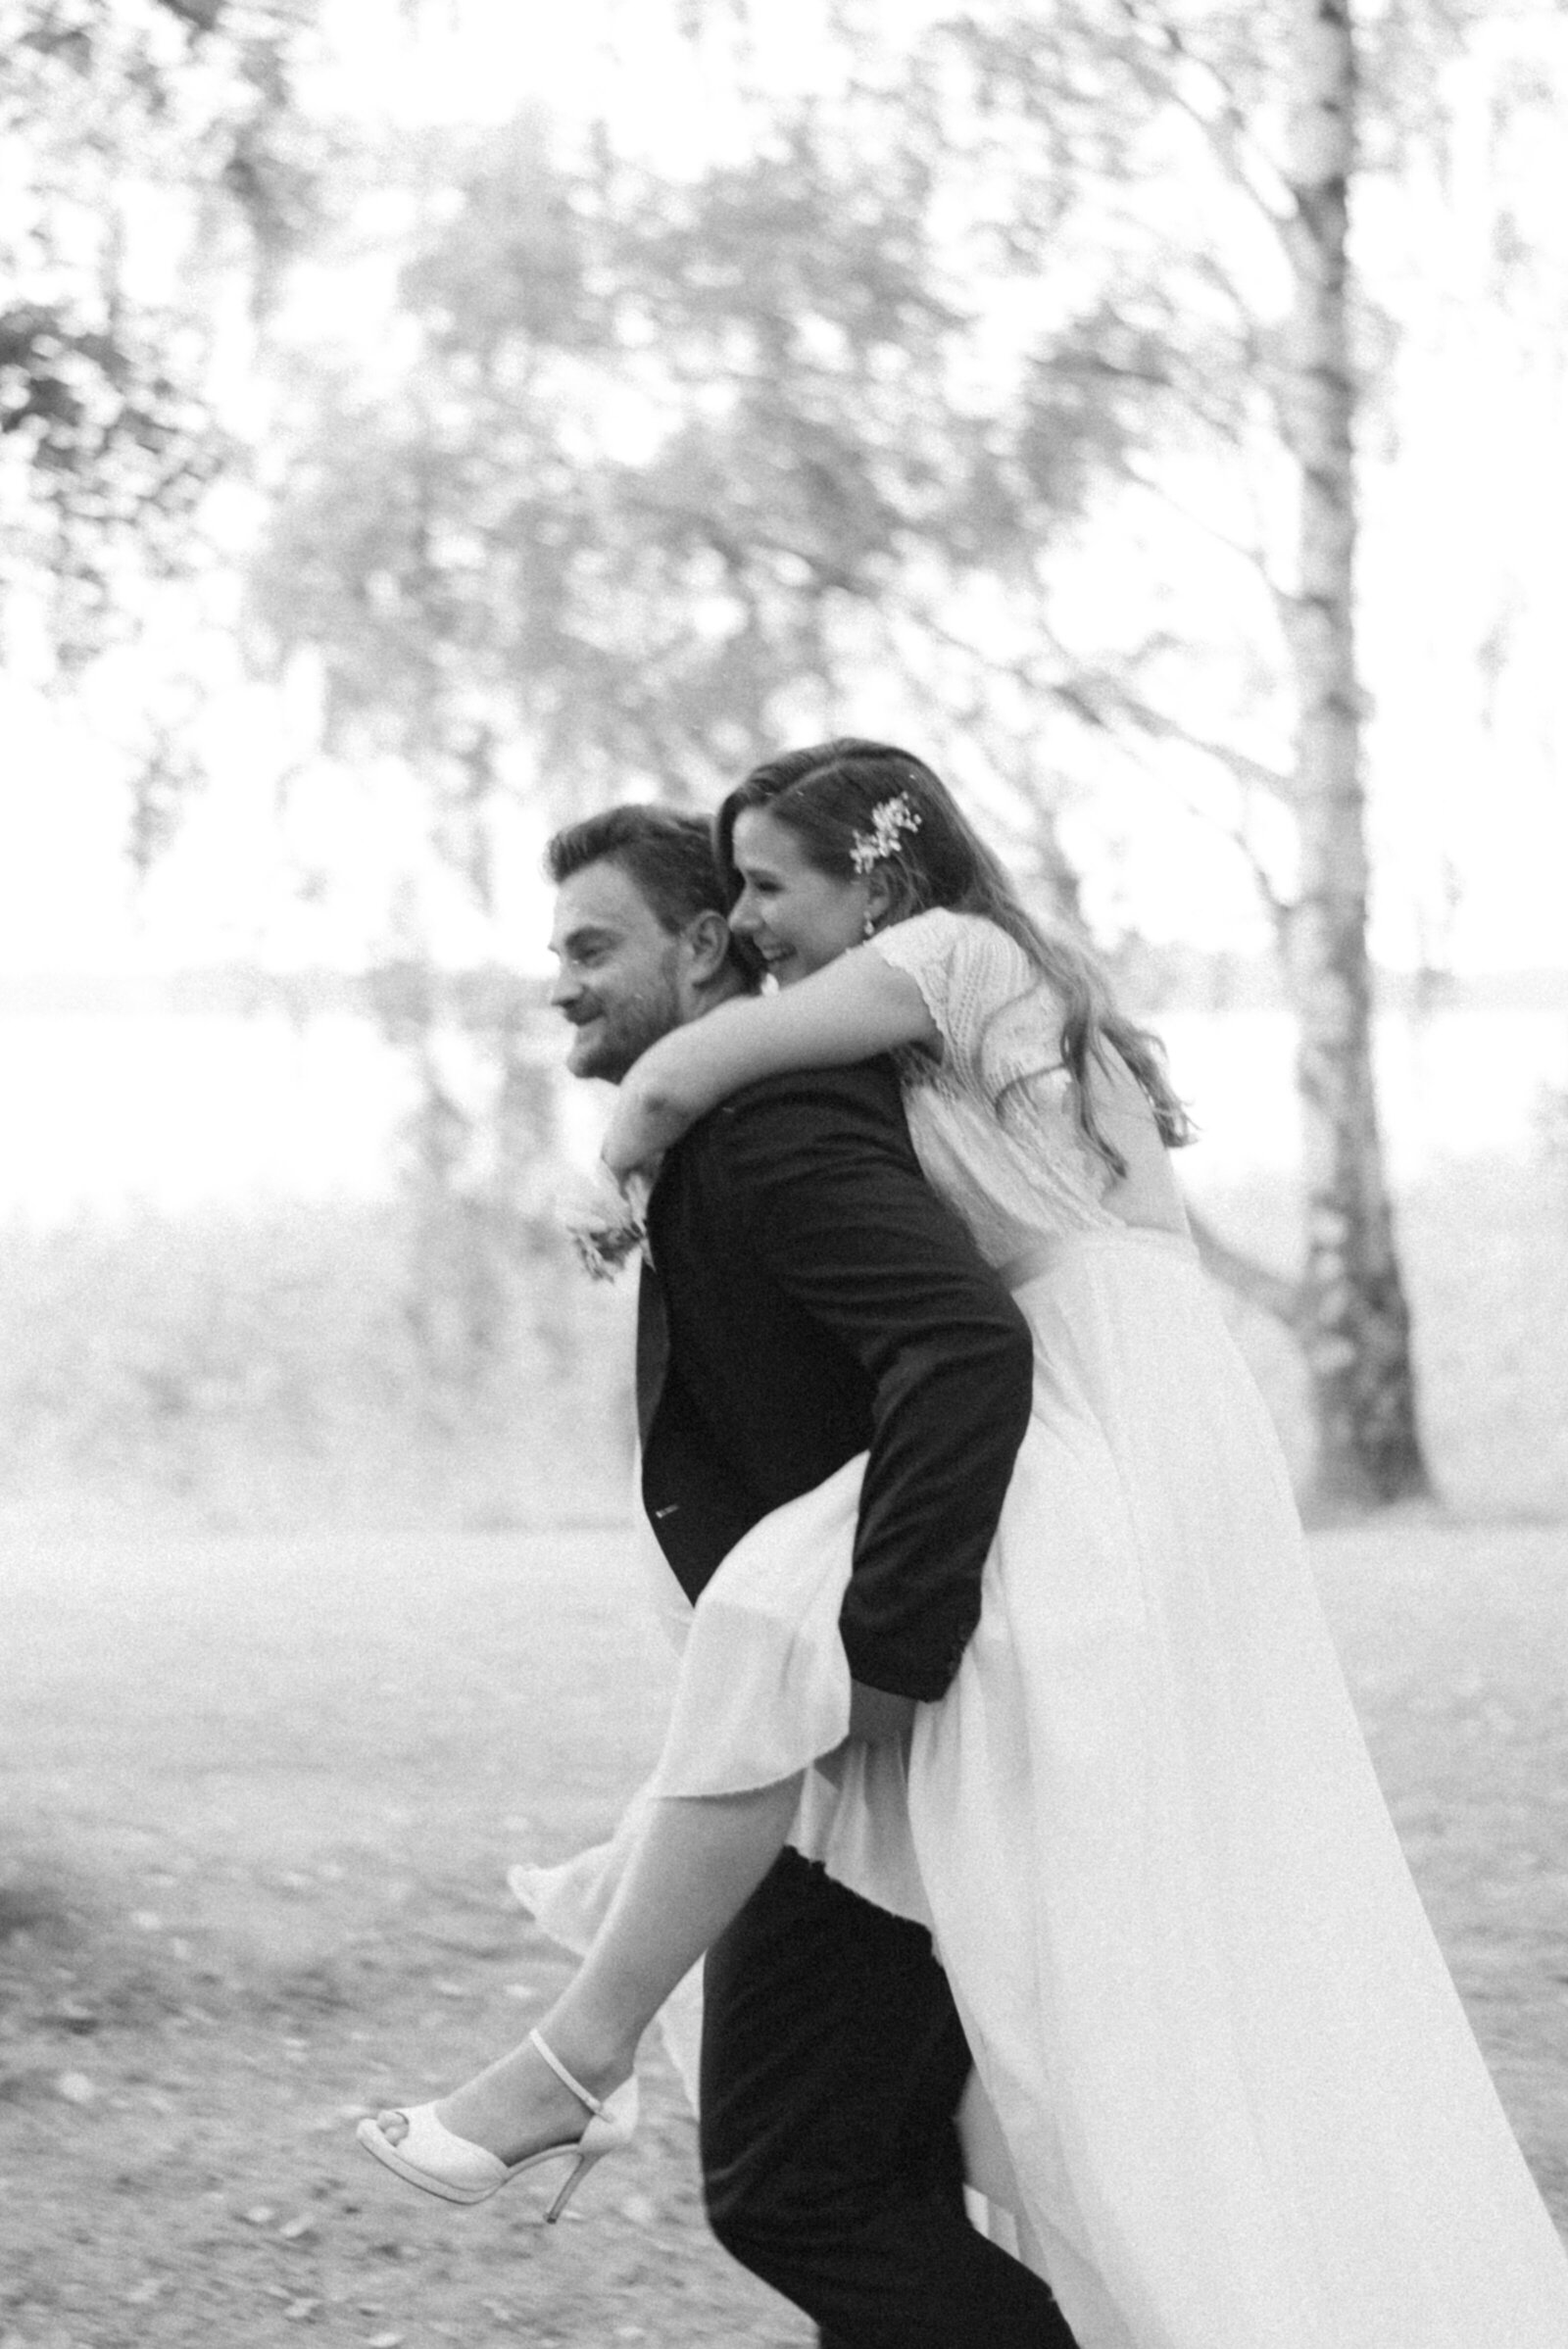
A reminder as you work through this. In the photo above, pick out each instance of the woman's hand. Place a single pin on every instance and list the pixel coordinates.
(635, 1142)
(663, 1094)
(635, 1184)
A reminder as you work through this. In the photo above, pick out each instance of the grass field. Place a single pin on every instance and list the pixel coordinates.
(261, 1786)
(259, 1791)
(337, 1364)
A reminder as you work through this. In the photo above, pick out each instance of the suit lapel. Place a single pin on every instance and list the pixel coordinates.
(653, 1314)
(652, 1350)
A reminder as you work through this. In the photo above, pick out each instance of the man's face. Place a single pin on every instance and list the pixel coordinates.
(619, 981)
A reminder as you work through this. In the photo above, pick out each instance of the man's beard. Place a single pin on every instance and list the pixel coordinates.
(622, 1036)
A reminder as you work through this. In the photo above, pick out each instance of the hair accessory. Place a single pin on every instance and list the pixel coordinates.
(891, 818)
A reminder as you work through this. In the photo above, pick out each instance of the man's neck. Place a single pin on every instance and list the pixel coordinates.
(725, 990)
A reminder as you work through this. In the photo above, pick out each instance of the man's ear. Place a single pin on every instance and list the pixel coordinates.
(706, 943)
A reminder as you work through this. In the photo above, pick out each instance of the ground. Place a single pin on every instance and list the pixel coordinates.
(259, 1796)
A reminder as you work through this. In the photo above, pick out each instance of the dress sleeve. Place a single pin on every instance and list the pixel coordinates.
(970, 972)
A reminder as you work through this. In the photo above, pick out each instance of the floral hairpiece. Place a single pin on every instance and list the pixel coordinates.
(891, 818)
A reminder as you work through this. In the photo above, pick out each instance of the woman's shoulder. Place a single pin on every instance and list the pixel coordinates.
(941, 921)
(972, 974)
(969, 953)
(942, 934)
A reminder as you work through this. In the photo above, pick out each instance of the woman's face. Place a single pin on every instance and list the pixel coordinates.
(796, 918)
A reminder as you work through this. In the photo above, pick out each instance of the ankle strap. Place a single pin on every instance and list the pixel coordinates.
(595, 2104)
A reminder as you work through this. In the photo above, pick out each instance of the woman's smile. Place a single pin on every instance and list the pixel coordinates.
(796, 916)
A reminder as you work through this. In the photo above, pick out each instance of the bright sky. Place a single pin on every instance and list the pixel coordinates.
(1466, 522)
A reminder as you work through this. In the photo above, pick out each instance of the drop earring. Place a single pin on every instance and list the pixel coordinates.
(868, 926)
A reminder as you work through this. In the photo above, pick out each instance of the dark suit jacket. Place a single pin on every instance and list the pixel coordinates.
(820, 1300)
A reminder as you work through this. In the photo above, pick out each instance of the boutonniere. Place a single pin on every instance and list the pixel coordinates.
(607, 1227)
(603, 1248)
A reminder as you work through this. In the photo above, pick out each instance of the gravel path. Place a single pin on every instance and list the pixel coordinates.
(259, 1796)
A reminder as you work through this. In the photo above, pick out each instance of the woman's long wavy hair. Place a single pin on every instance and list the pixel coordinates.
(828, 794)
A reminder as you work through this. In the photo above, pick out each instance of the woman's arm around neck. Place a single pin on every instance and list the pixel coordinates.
(847, 1011)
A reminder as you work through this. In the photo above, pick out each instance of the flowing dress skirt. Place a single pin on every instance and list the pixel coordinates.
(1241, 2101)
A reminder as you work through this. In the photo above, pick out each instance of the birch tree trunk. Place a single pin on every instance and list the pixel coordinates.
(1355, 1322)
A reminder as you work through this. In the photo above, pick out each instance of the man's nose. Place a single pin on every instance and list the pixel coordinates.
(565, 987)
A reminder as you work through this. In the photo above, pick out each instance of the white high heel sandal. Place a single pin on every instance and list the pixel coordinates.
(439, 2161)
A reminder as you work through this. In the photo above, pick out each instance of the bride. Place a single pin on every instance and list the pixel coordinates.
(1239, 2103)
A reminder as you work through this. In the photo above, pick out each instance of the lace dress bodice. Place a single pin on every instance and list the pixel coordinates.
(992, 1120)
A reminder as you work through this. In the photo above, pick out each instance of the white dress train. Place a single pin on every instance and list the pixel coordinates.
(1242, 2103)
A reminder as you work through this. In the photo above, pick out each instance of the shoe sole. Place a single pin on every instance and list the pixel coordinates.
(380, 2149)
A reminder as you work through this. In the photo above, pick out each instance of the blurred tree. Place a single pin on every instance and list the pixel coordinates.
(1356, 1318)
(488, 1276)
(638, 488)
(675, 470)
(132, 128)
(662, 468)
(1269, 349)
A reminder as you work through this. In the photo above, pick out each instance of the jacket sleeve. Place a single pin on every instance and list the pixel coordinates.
(816, 1176)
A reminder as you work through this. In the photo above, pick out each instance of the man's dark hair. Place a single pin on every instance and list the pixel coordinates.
(667, 853)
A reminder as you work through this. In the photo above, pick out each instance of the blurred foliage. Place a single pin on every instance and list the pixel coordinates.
(660, 468)
(653, 469)
(311, 1363)
(279, 1367)
(480, 1161)
(664, 471)
(138, 134)
(656, 467)
(1484, 1248)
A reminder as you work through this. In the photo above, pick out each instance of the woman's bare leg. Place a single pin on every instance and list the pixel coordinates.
(697, 1862)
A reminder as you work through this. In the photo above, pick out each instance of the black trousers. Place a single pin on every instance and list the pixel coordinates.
(833, 2062)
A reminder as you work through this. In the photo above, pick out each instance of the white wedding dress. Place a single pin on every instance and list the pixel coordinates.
(1241, 2102)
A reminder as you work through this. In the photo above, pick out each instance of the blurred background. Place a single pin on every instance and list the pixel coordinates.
(425, 422)
(421, 425)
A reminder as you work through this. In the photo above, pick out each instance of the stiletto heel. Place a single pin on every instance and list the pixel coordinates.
(612, 2119)
(435, 2159)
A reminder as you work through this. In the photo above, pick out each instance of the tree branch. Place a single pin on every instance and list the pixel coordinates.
(1254, 556)
(1227, 129)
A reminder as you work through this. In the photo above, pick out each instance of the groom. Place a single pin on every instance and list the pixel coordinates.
(814, 1299)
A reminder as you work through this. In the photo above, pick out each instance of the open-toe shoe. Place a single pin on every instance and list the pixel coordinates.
(439, 2161)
